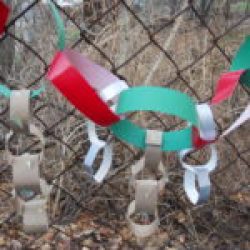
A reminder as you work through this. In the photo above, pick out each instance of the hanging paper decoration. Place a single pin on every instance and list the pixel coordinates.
(147, 189)
(106, 100)
(60, 29)
(30, 191)
(4, 14)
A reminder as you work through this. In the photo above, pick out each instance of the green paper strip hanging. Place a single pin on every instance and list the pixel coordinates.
(60, 29)
(157, 99)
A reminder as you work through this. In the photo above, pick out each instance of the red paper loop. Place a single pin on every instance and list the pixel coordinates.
(4, 14)
(65, 74)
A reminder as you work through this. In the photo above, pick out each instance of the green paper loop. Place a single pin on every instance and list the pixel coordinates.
(242, 61)
(5, 91)
(157, 99)
(60, 29)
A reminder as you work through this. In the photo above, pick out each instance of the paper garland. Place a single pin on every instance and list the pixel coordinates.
(106, 100)
(87, 77)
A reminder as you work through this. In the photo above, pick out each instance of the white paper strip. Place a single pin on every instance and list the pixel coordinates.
(96, 146)
(207, 126)
(245, 116)
(113, 90)
(109, 92)
(201, 174)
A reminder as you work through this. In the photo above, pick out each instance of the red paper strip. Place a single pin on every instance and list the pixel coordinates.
(4, 14)
(69, 72)
(226, 86)
(224, 89)
(198, 142)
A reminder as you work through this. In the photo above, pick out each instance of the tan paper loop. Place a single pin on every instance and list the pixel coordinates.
(35, 218)
(154, 138)
(151, 160)
(33, 130)
(146, 193)
(31, 192)
(139, 166)
(19, 202)
(140, 230)
(20, 110)
(26, 175)
(146, 190)
(26, 170)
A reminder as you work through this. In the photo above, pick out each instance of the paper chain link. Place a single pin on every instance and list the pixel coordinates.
(106, 100)
(30, 191)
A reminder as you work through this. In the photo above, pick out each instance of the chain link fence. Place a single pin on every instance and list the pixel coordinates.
(184, 45)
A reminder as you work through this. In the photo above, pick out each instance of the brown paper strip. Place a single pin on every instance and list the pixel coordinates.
(20, 110)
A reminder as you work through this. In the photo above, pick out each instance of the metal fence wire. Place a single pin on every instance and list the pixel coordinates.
(161, 42)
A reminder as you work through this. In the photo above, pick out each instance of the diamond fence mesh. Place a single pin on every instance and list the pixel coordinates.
(184, 45)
